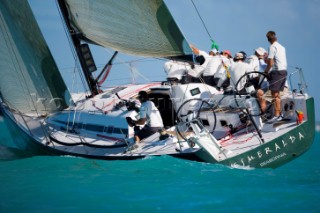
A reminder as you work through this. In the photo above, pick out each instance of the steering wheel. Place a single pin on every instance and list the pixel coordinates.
(191, 116)
(256, 82)
(252, 81)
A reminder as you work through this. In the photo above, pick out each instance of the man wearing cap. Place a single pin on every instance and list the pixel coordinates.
(237, 70)
(257, 63)
(277, 71)
(221, 76)
(149, 115)
(227, 54)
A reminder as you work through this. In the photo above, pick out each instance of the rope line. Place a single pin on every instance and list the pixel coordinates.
(205, 27)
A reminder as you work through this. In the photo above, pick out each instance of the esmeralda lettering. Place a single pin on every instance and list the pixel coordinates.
(273, 149)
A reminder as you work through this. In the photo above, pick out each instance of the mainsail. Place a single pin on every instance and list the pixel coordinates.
(30, 80)
(137, 27)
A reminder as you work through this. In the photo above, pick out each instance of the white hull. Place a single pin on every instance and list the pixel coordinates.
(97, 128)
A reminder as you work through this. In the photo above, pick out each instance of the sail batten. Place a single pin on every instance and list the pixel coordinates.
(136, 27)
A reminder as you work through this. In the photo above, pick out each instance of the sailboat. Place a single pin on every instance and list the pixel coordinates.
(201, 122)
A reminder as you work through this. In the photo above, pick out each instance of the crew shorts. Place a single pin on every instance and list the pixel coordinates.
(277, 80)
(147, 131)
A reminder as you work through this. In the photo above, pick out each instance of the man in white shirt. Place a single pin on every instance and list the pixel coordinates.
(237, 70)
(149, 115)
(227, 54)
(184, 72)
(277, 71)
(220, 77)
(176, 69)
(210, 64)
(256, 61)
(214, 72)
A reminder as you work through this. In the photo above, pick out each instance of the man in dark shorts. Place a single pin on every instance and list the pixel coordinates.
(150, 116)
(277, 71)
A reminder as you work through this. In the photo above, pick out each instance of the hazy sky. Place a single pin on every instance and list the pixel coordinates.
(235, 25)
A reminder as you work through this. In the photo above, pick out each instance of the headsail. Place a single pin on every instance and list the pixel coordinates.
(137, 27)
(30, 79)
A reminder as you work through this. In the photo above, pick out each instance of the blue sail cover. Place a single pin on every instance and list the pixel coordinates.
(30, 80)
(136, 27)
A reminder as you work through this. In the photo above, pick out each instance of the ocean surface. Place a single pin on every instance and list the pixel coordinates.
(155, 184)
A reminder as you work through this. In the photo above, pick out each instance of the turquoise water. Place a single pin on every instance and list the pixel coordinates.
(157, 184)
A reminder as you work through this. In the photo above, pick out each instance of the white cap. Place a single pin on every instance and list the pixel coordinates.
(214, 50)
(260, 51)
(239, 56)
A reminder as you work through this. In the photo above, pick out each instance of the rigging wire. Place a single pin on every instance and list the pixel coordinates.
(85, 86)
(214, 45)
(205, 27)
(129, 65)
(121, 63)
(76, 67)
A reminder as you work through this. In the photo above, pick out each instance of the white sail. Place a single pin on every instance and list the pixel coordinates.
(137, 27)
(30, 80)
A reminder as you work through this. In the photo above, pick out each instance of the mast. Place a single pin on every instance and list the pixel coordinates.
(82, 50)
